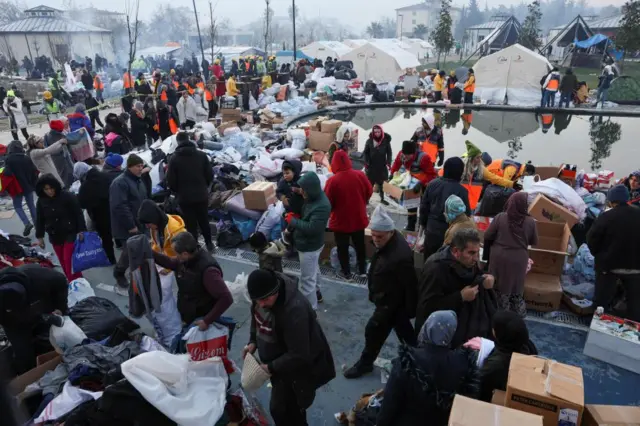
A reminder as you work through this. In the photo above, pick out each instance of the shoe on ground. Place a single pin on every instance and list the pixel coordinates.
(384, 202)
(319, 296)
(345, 277)
(27, 229)
(210, 247)
(121, 291)
(358, 370)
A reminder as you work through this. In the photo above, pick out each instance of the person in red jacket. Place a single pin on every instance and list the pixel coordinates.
(348, 192)
(420, 166)
(218, 72)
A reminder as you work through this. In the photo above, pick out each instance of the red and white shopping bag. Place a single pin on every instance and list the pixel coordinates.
(210, 343)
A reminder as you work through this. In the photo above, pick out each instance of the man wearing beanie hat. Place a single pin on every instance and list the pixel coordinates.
(291, 345)
(126, 194)
(420, 165)
(392, 289)
(189, 176)
(614, 241)
(113, 166)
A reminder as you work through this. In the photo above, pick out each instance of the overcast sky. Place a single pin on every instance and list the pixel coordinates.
(357, 13)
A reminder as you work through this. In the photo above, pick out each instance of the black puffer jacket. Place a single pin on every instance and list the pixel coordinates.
(94, 195)
(296, 350)
(423, 383)
(59, 216)
(126, 194)
(432, 204)
(613, 242)
(284, 189)
(392, 278)
(139, 128)
(114, 124)
(378, 158)
(111, 173)
(190, 174)
(19, 165)
(441, 281)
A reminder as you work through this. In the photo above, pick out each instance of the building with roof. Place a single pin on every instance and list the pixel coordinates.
(607, 26)
(380, 61)
(489, 37)
(48, 31)
(562, 37)
(323, 49)
(425, 13)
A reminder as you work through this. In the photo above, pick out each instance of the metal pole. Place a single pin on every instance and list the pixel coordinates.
(293, 15)
(401, 25)
(212, 29)
(195, 12)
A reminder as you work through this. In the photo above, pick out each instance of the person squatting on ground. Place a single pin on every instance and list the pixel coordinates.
(290, 343)
(392, 289)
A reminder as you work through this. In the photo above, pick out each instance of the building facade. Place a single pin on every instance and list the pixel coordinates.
(425, 13)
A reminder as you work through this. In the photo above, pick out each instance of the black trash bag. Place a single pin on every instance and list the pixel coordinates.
(310, 84)
(99, 317)
(157, 155)
(382, 96)
(229, 237)
(493, 201)
(170, 205)
(342, 75)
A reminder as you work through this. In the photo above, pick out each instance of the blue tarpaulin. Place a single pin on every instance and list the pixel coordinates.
(591, 41)
(289, 53)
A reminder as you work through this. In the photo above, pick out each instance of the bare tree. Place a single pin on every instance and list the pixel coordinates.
(11, 11)
(267, 24)
(132, 6)
(213, 31)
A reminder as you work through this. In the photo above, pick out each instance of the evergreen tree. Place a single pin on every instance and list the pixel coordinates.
(474, 15)
(530, 32)
(628, 36)
(441, 35)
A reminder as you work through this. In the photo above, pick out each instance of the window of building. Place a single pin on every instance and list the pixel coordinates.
(414, 13)
(413, 21)
(480, 38)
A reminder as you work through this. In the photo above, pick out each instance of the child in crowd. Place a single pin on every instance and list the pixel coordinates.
(269, 254)
(290, 194)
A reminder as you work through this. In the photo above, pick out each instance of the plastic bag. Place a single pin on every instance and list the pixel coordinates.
(270, 219)
(70, 398)
(288, 154)
(167, 321)
(335, 262)
(189, 393)
(65, 337)
(559, 191)
(229, 237)
(79, 289)
(265, 166)
(89, 253)
(99, 317)
(213, 342)
(245, 225)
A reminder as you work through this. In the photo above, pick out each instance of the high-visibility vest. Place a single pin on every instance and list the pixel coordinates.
(176, 84)
(163, 94)
(438, 84)
(474, 189)
(190, 89)
(53, 107)
(127, 81)
(547, 119)
(200, 85)
(554, 83)
(470, 84)
(415, 170)
(497, 167)
(98, 84)
(208, 96)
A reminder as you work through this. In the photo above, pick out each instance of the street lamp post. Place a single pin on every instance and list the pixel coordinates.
(293, 16)
(401, 25)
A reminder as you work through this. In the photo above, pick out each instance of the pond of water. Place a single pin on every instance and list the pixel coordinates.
(591, 142)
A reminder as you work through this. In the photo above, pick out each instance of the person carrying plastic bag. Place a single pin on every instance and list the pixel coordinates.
(88, 253)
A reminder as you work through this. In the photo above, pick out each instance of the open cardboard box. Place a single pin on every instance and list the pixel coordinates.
(319, 141)
(407, 198)
(611, 415)
(549, 254)
(547, 172)
(471, 412)
(543, 209)
(542, 292)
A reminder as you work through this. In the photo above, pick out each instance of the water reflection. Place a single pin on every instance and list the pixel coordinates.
(592, 143)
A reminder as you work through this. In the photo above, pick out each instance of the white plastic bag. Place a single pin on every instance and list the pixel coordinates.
(67, 336)
(148, 344)
(79, 289)
(69, 398)
(288, 153)
(167, 322)
(189, 393)
(253, 105)
(265, 166)
(270, 218)
(210, 343)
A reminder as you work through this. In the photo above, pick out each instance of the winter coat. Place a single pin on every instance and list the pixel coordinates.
(62, 160)
(377, 158)
(432, 204)
(59, 216)
(41, 158)
(111, 173)
(495, 369)
(15, 113)
(20, 166)
(93, 195)
(164, 128)
(348, 191)
(90, 104)
(569, 83)
(423, 383)
(390, 266)
(461, 222)
(112, 123)
(87, 82)
(604, 81)
(139, 127)
(175, 225)
(116, 144)
(187, 110)
(296, 201)
(309, 229)
(291, 342)
(614, 239)
(78, 121)
(126, 194)
(190, 174)
(439, 286)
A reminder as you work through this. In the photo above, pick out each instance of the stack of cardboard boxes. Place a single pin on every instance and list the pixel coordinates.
(268, 118)
(231, 114)
(322, 133)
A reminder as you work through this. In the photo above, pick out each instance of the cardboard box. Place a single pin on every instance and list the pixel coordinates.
(578, 306)
(405, 197)
(471, 412)
(316, 123)
(329, 243)
(549, 254)
(234, 114)
(611, 415)
(499, 397)
(542, 292)
(45, 362)
(614, 340)
(330, 126)
(547, 172)
(547, 388)
(259, 195)
(226, 125)
(544, 210)
(319, 141)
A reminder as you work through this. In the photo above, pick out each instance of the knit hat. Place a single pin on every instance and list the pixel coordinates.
(453, 207)
(472, 150)
(134, 160)
(430, 120)
(80, 108)
(11, 94)
(80, 170)
(636, 174)
(56, 125)
(114, 160)
(409, 148)
(380, 220)
(618, 194)
(182, 137)
(453, 168)
(486, 158)
(262, 283)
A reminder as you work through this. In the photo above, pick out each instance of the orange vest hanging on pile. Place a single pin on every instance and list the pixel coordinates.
(98, 84)
(497, 167)
(127, 81)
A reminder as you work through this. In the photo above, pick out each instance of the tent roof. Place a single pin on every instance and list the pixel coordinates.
(577, 29)
(400, 43)
(49, 24)
(504, 34)
(299, 54)
(504, 126)
(403, 58)
(423, 43)
(336, 46)
(610, 22)
(236, 50)
(490, 25)
(157, 50)
(355, 42)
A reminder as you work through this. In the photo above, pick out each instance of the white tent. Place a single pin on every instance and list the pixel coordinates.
(381, 61)
(322, 49)
(355, 42)
(511, 76)
(421, 48)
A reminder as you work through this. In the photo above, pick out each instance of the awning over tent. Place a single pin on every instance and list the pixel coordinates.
(591, 41)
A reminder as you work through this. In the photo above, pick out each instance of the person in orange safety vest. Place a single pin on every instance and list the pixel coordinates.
(546, 121)
(510, 169)
(469, 87)
(431, 139)
(420, 166)
(98, 86)
(550, 87)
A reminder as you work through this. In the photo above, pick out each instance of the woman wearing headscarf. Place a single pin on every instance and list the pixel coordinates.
(93, 196)
(455, 214)
(377, 158)
(506, 241)
(424, 380)
(510, 335)
(432, 205)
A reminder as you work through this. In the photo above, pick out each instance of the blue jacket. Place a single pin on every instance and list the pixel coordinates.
(78, 120)
(126, 194)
